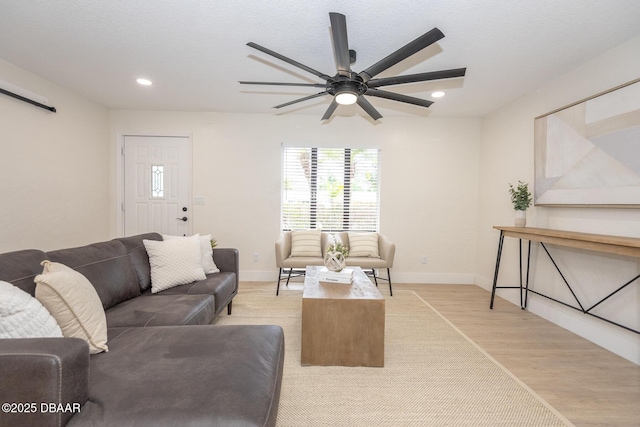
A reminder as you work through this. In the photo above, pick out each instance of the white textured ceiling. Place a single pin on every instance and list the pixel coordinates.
(195, 50)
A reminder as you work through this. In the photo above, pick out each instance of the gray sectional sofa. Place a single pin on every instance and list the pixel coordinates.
(166, 364)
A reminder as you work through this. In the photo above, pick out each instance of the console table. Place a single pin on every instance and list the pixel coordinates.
(628, 246)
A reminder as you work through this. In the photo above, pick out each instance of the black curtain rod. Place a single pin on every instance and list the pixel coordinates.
(30, 101)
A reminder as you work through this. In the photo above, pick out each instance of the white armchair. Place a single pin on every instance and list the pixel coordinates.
(297, 264)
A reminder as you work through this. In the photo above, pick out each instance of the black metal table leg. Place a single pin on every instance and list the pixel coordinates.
(520, 271)
(526, 289)
(279, 278)
(495, 275)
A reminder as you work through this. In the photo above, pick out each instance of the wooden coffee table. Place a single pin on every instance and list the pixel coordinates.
(342, 325)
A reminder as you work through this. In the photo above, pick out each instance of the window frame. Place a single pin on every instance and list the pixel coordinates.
(347, 221)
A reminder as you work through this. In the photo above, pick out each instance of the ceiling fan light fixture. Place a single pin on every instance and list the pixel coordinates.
(438, 94)
(144, 82)
(348, 87)
(346, 98)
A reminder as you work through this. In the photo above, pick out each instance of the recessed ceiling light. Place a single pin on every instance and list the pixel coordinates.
(438, 94)
(144, 82)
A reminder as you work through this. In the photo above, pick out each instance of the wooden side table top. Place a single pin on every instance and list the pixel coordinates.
(620, 245)
(360, 288)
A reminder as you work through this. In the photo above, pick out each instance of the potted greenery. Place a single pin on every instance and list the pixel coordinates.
(521, 199)
(335, 257)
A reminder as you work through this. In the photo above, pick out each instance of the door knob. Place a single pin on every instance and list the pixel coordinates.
(184, 218)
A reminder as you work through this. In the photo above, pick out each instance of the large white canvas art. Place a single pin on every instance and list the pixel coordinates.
(589, 153)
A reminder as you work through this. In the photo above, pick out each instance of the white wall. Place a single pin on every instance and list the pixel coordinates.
(428, 182)
(506, 156)
(53, 168)
(58, 175)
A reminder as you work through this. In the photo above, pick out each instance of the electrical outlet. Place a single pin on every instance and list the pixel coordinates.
(256, 257)
(423, 259)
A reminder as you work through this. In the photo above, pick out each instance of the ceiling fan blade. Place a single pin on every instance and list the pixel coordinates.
(288, 60)
(330, 110)
(399, 97)
(421, 77)
(366, 106)
(340, 43)
(402, 53)
(285, 84)
(302, 99)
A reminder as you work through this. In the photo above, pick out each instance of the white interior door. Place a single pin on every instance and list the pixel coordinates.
(157, 185)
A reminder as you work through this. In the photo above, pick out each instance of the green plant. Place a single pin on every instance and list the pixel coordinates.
(520, 196)
(338, 247)
(214, 243)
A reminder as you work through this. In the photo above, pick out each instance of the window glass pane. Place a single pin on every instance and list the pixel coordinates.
(330, 203)
(330, 188)
(296, 188)
(157, 181)
(364, 200)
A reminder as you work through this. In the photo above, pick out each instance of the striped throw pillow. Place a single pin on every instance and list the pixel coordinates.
(306, 243)
(363, 245)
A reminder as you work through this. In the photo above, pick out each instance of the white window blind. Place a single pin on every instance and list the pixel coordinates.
(332, 189)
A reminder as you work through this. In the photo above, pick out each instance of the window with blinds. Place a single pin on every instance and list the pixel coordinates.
(332, 189)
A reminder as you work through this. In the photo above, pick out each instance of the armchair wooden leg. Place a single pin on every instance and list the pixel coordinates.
(229, 308)
(389, 278)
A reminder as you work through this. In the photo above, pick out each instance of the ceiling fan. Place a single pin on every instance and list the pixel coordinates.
(348, 87)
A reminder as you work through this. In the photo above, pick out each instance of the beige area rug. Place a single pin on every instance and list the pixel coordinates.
(433, 374)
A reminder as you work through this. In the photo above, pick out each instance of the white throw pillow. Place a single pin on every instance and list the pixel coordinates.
(306, 243)
(174, 262)
(363, 245)
(23, 316)
(74, 303)
(206, 251)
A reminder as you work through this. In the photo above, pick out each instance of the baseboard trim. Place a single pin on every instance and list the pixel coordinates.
(258, 276)
(432, 278)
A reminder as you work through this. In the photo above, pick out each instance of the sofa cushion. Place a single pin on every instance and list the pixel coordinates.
(138, 256)
(363, 245)
(174, 262)
(106, 265)
(187, 376)
(221, 285)
(366, 262)
(23, 316)
(302, 262)
(20, 268)
(74, 303)
(162, 310)
(206, 252)
(305, 243)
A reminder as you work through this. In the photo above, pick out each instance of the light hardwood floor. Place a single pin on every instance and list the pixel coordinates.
(586, 383)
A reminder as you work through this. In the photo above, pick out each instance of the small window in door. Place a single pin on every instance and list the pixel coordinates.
(157, 181)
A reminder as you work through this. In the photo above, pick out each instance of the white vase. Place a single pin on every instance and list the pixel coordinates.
(521, 219)
(335, 261)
